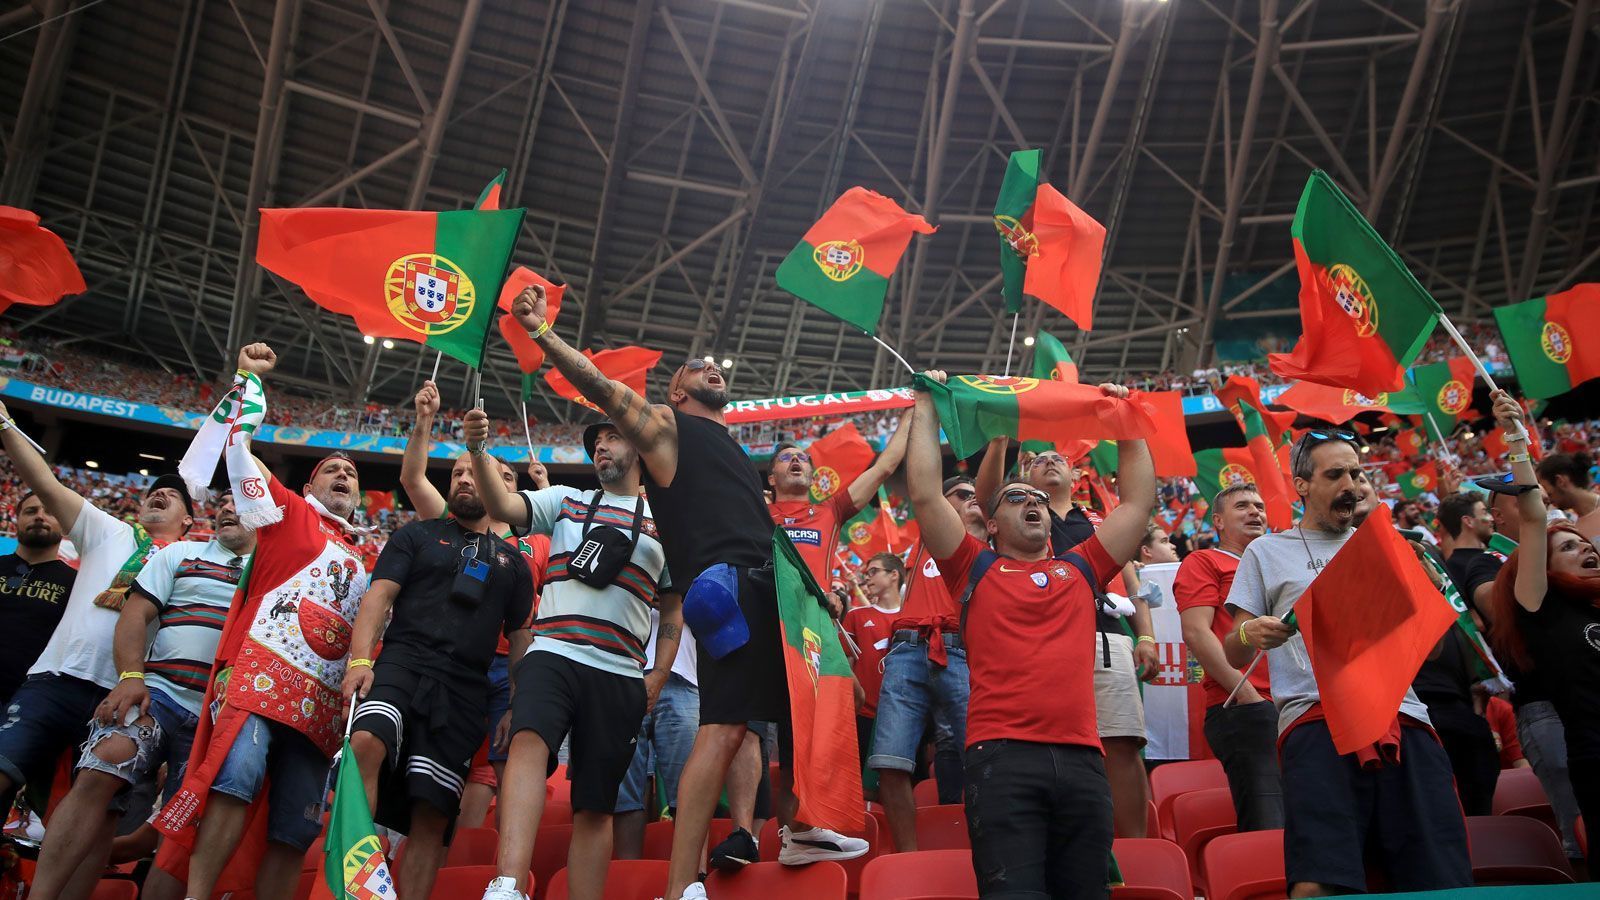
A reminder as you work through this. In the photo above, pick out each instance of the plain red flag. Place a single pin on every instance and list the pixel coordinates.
(1066, 271)
(36, 268)
(628, 365)
(838, 459)
(1169, 442)
(1331, 350)
(530, 356)
(1369, 620)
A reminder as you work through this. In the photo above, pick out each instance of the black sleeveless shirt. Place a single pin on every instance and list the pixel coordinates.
(714, 510)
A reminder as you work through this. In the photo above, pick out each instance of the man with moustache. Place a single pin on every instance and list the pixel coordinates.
(34, 586)
(584, 675)
(448, 588)
(149, 719)
(1399, 801)
(708, 502)
(1243, 735)
(49, 713)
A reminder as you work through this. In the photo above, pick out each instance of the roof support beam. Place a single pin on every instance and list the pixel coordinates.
(1554, 147)
(24, 150)
(1434, 18)
(1129, 32)
(439, 116)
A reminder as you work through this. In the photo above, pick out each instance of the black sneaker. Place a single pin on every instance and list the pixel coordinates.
(735, 852)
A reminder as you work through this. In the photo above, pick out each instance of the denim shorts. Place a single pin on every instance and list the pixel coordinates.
(298, 771)
(47, 716)
(166, 739)
(664, 743)
(914, 692)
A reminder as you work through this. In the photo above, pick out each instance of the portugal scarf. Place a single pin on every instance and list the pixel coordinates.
(117, 593)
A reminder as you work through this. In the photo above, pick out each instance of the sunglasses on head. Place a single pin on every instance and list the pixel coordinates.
(1333, 434)
(1023, 495)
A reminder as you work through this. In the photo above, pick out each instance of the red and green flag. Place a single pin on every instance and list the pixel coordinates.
(1330, 404)
(530, 356)
(1051, 362)
(429, 277)
(827, 769)
(837, 459)
(1227, 466)
(870, 531)
(377, 501)
(1542, 339)
(1444, 389)
(1411, 441)
(1364, 317)
(975, 409)
(490, 198)
(628, 365)
(36, 268)
(355, 867)
(1049, 248)
(1241, 391)
(842, 265)
(1419, 481)
(1168, 443)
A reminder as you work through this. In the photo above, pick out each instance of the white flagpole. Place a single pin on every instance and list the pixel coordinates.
(11, 424)
(1013, 345)
(1449, 455)
(527, 433)
(1260, 654)
(892, 352)
(436, 360)
(1450, 329)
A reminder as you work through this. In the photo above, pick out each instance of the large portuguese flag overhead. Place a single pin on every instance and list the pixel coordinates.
(1049, 248)
(843, 264)
(1444, 389)
(429, 277)
(822, 708)
(1544, 339)
(1331, 404)
(1363, 316)
(1052, 362)
(975, 409)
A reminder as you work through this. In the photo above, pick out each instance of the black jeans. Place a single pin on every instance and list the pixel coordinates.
(1473, 756)
(1245, 740)
(1039, 818)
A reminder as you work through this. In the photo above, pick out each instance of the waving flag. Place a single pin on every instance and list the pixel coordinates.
(837, 460)
(1543, 338)
(842, 265)
(1049, 248)
(1444, 389)
(1419, 481)
(36, 268)
(1225, 467)
(1330, 404)
(975, 409)
(530, 356)
(628, 365)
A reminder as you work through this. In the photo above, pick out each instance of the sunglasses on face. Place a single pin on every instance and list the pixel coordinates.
(695, 365)
(794, 456)
(962, 495)
(1023, 495)
(1047, 458)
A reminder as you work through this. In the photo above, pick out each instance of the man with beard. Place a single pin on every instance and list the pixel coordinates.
(1403, 805)
(924, 681)
(1244, 734)
(708, 502)
(448, 589)
(34, 586)
(1408, 517)
(584, 675)
(149, 719)
(49, 713)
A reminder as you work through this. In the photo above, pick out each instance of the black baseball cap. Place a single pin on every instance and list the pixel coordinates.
(1502, 484)
(955, 481)
(175, 482)
(592, 434)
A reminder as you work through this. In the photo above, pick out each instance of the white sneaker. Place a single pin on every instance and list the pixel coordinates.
(503, 888)
(695, 891)
(816, 845)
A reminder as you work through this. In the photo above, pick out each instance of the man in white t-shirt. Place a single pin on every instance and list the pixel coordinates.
(49, 714)
(149, 718)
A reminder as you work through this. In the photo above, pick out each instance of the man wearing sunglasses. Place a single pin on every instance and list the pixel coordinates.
(1403, 805)
(707, 498)
(1038, 804)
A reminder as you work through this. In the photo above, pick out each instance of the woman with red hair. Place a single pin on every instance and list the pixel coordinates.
(1546, 608)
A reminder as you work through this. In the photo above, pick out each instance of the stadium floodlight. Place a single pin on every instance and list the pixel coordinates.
(727, 363)
(91, 464)
(367, 339)
(388, 344)
(1027, 341)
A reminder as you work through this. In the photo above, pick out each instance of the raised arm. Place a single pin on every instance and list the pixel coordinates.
(424, 497)
(1124, 526)
(257, 359)
(894, 452)
(942, 531)
(58, 499)
(992, 469)
(502, 505)
(1532, 544)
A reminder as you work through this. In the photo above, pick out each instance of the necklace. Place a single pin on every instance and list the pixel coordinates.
(1312, 560)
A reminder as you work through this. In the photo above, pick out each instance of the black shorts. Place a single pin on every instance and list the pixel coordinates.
(748, 684)
(601, 710)
(430, 732)
(1406, 817)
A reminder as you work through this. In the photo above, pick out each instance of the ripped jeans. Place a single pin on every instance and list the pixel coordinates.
(167, 738)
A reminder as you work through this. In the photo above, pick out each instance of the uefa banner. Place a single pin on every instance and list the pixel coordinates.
(1174, 705)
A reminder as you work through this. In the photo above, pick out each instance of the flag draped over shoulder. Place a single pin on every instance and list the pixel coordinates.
(1369, 619)
(355, 867)
(428, 277)
(628, 365)
(1363, 315)
(1444, 389)
(838, 459)
(827, 768)
(1543, 339)
(36, 268)
(1049, 248)
(974, 409)
(842, 265)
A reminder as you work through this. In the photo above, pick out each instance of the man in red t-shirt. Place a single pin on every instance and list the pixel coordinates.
(1038, 802)
(1243, 735)
(869, 627)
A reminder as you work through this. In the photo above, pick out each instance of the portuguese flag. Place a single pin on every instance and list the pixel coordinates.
(1240, 392)
(975, 409)
(628, 365)
(1217, 469)
(837, 460)
(490, 198)
(1049, 248)
(842, 265)
(1052, 362)
(1420, 480)
(530, 356)
(1363, 316)
(354, 866)
(1445, 389)
(822, 708)
(1541, 338)
(870, 531)
(39, 269)
(1267, 469)
(1331, 404)
(1411, 441)
(429, 277)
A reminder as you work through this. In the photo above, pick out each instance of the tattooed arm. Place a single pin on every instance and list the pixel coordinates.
(650, 429)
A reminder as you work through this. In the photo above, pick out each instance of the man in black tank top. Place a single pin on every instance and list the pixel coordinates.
(708, 504)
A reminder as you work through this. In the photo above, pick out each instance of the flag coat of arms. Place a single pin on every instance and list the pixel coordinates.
(1049, 248)
(1444, 389)
(843, 263)
(837, 460)
(1419, 481)
(1543, 340)
(355, 868)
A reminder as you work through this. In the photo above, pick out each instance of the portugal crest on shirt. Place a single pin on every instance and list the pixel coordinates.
(1040, 579)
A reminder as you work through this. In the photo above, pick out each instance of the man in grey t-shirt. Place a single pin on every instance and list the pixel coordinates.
(1401, 803)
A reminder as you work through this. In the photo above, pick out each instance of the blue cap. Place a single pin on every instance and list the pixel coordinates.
(711, 610)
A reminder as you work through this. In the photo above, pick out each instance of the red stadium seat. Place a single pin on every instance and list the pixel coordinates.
(1508, 850)
(1152, 869)
(626, 879)
(115, 889)
(884, 834)
(770, 846)
(1199, 817)
(549, 854)
(1152, 820)
(720, 829)
(456, 882)
(1246, 866)
(472, 847)
(919, 876)
(1519, 793)
(556, 812)
(926, 793)
(943, 828)
(775, 881)
(1168, 780)
(559, 788)
(657, 840)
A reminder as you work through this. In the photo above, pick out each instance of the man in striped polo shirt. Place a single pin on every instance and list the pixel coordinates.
(584, 675)
(149, 718)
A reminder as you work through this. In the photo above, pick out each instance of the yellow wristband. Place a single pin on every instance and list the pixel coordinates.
(539, 332)
(1518, 457)
(1243, 638)
(1146, 639)
(126, 675)
(359, 662)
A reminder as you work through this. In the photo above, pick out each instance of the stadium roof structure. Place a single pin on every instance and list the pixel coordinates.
(671, 152)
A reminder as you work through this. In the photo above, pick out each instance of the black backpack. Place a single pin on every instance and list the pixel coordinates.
(987, 558)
